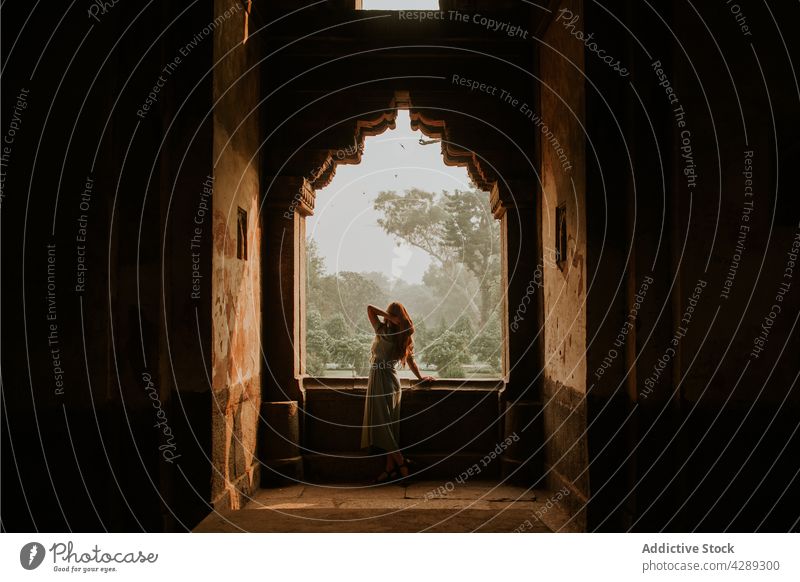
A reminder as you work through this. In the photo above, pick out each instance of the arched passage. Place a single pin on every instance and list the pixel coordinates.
(489, 412)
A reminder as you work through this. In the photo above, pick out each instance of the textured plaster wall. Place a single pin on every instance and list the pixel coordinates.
(236, 283)
(562, 109)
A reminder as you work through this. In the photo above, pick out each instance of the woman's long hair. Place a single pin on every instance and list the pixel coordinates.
(401, 336)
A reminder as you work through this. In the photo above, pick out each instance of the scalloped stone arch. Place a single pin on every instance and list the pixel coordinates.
(377, 123)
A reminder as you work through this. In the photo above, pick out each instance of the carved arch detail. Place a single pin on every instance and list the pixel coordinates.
(376, 123)
(350, 153)
(452, 154)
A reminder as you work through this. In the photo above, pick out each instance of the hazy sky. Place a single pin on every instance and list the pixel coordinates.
(400, 5)
(344, 223)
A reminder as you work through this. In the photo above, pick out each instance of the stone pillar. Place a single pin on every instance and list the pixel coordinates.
(288, 200)
(514, 204)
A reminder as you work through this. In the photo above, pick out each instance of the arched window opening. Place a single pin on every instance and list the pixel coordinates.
(403, 226)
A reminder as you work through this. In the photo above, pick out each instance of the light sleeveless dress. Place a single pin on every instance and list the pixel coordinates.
(382, 406)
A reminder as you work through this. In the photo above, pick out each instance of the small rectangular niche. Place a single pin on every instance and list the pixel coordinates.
(241, 234)
(561, 236)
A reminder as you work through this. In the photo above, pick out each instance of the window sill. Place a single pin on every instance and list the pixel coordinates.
(444, 384)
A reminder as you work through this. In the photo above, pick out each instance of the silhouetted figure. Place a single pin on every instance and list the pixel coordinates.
(393, 346)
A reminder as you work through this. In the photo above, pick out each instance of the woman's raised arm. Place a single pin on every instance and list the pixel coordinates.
(373, 313)
(415, 369)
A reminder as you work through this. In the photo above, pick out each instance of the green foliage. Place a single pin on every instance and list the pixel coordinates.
(337, 327)
(488, 344)
(318, 345)
(457, 286)
(463, 326)
(448, 354)
(461, 289)
(457, 229)
(362, 359)
(315, 264)
(422, 336)
(345, 350)
(345, 295)
(417, 217)
(471, 229)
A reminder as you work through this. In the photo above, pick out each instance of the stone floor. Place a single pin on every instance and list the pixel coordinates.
(423, 506)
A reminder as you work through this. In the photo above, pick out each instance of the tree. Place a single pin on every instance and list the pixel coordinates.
(488, 344)
(464, 327)
(318, 345)
(422, 336)
(458, 287)
(345, 350)
(315, 265)
(455, 229)
(380, 280)
(337, 327)
(349, 294)
(461, 287)
(364, 355)
(417, 217)
(473, 231)
(448, 353)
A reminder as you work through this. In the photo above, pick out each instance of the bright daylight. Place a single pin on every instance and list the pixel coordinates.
(403, 226)
(400, 5)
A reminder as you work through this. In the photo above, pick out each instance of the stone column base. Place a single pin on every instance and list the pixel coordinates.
(522, 462)
(279, 443)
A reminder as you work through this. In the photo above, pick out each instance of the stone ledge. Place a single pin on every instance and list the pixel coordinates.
(434, 420)
(314, 383)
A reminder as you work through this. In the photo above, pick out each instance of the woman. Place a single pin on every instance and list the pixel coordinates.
(393, 346)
